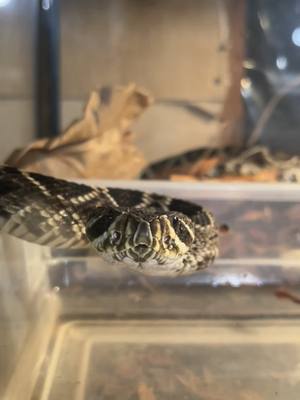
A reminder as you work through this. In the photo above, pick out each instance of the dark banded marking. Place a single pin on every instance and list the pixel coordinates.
(107, 193)
(58, 213)
(34, 181)
(185, 207)
(159, 202)
(126, 198)
(32, 205)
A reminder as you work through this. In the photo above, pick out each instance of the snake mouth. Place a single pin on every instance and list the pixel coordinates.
(140, 253)
(141, 248)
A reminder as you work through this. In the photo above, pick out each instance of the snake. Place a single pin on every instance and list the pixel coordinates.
(231, 161)
(149, 232)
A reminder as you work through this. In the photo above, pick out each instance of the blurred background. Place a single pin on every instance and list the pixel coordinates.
(222, 72)
(212, 66)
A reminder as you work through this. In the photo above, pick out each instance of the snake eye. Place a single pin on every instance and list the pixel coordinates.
(182, 230)
(167, 239)
(115, 237)
(169, 242)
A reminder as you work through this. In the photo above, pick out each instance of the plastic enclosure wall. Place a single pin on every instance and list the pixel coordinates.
(25, 313)
(30, 305)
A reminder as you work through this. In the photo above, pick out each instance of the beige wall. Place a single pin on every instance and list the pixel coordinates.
(17, 24)
(16, 125)
(17, 20)
(176, 49)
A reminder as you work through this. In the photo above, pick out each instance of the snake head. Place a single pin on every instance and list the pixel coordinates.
(141, 238)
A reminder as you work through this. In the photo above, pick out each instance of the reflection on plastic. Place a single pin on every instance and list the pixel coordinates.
(46, 4)
(281, 62)
(296, 36)
(4, 3)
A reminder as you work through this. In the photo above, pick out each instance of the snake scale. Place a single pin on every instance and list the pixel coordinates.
(151, 233)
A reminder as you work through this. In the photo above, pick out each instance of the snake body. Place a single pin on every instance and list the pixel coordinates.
(152, 233)
(230, 161)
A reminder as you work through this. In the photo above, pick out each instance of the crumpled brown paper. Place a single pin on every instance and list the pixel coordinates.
(97, 146)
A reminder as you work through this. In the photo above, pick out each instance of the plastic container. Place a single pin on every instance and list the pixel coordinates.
(74, 327)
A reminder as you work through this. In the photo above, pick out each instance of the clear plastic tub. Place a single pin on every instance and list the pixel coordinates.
(75, 327)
